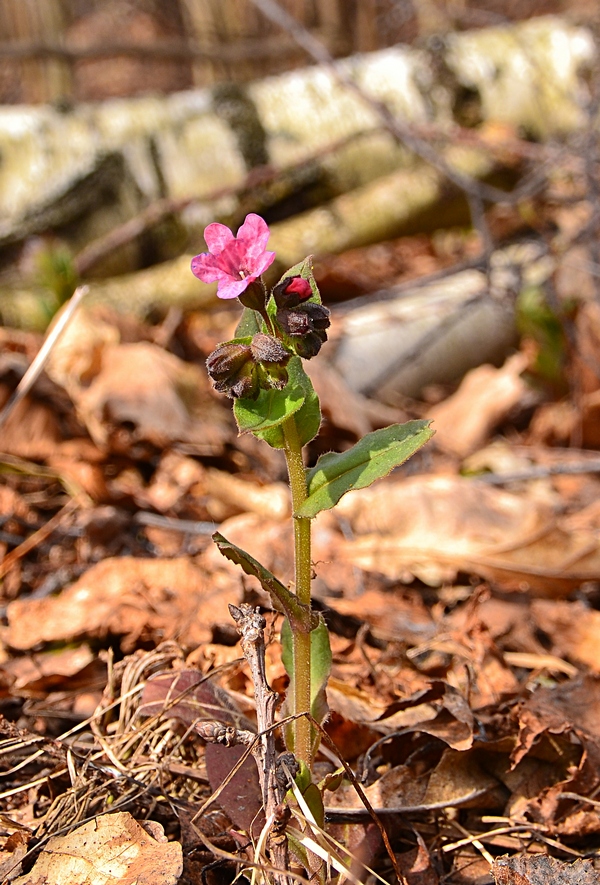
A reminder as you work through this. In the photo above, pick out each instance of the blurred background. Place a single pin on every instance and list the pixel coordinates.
(89, 50)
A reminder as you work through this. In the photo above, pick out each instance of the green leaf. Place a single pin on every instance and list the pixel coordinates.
(283, 599)
(250, 323)
(270, 409)
(308, 417)
(372, 458)
(314, 800)
(320, 668)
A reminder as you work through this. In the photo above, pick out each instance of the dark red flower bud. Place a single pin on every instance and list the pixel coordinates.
(294, 322)
(232, 369)
(291, 292)
(242, 370)
(305, 325)
(299, 287)
(319, 316)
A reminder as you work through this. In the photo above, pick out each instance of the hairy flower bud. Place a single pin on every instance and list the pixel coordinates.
(266, 349)
(242, 370)
(226, 361)
(232, 370)
(303, 321)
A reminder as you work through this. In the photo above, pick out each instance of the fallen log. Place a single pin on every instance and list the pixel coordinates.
(80, 171)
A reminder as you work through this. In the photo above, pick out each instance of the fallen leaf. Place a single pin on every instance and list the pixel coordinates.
(189, 696)
(542, 870)
(241, 798)
(37, 674)
(144, 394)
(127, 597)
(573, 706)
(456, 780)
(110, 850)
(432, 527)
(32, 430)
(464, 421)
(573, 627)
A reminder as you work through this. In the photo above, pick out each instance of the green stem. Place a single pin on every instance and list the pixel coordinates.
(303, 574)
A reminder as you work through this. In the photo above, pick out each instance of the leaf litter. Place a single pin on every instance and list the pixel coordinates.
(465, 621)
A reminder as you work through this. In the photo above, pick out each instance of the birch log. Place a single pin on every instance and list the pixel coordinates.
(193, 144)
(81, 172)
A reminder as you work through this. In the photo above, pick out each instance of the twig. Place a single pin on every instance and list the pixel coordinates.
(538, 471)
(401, 131)
(171, 523)
(250, 625)
(41, 358)
(184, 50)
(37, 537)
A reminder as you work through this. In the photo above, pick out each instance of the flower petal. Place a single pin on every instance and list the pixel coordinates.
(255, 230)
(264, 261)
(230, 288)
(254, 234)
(217, 236)
(205, 267)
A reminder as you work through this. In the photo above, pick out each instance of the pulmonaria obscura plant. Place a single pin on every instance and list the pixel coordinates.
(261, 369)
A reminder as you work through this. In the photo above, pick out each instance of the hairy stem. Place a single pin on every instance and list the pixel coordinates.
(303, 573)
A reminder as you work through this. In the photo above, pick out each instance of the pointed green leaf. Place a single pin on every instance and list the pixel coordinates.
(308, 417)
(283, 599)
(249, 324)
(372, 458)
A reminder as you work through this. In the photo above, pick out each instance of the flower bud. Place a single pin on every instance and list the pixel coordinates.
(291, 292)
(255, 296)
(242, 370)
(266, 349)
(305, 324)
(227, 360)
(309, 345)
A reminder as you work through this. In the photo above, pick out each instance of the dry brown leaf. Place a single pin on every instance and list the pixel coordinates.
(271, 501)
(32, 431)
(141, 386)
(573, 706)
(463, 422)
(434, 526)
(134, 392)
(542, 870)
(573, 627)
(37, 673)
(12, 853)
(456, 780)
(76, 358)
(438, 710)
(110, 850)
(127, 597)
(416, 866)
(392, 616)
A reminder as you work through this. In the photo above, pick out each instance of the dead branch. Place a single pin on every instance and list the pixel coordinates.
(251, 625)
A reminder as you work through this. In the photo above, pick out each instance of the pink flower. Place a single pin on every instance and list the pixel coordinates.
(234, 262)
